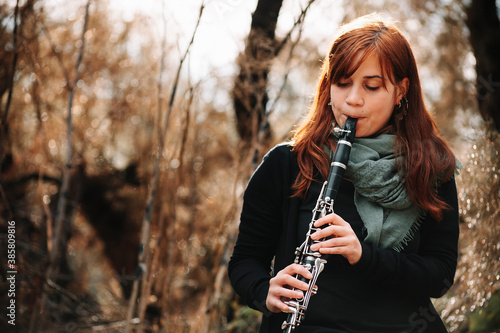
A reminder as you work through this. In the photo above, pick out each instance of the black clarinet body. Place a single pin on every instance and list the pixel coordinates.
(314, 261)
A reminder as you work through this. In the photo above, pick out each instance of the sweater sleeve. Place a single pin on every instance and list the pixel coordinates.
(249, 268)
(429, 272)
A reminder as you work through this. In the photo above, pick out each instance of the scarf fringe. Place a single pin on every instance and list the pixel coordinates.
(411, 232)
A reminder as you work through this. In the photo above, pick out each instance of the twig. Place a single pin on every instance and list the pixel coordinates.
(64, 189)
(162, 68)
(61, 204)
(185, 128)
(146, 290)
(193, 200)
(212, 294)
(113, 325)
(298, 22)
(146, 223)
(3, 120)
(288, 61)
(176, 81)
(14, 64)
(57, 54)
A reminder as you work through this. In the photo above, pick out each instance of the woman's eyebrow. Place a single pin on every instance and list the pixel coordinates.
(373, 77)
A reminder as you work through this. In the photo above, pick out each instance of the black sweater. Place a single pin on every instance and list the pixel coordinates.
(386, 291)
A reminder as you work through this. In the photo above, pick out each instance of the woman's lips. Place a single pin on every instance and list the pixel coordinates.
(346, 116)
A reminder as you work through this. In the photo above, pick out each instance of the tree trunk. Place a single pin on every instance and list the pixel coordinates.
(250, 85)
(484, 25)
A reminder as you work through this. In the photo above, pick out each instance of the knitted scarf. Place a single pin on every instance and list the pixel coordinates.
(380, 196)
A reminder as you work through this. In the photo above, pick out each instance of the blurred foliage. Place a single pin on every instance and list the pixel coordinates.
(477, 278)
(487, 319)
(246, 320)
(116, 120)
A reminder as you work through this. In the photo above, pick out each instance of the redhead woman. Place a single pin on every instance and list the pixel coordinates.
(392, 239)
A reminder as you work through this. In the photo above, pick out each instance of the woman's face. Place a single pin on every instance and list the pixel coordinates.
(363, 96)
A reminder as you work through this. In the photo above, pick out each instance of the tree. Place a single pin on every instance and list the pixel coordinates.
(484, 25)
(250, 85)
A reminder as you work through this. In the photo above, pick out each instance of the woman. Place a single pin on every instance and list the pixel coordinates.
(392, 239)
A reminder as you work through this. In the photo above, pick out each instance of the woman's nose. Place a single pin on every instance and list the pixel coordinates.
(354, 98)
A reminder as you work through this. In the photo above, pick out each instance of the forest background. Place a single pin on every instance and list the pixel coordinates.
(129, 131)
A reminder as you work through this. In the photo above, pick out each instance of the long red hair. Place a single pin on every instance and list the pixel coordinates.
(427, 156)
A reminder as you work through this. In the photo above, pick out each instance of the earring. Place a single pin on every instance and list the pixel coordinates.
(402, 108)
(406, 106)
(405, 100)
(330, 103)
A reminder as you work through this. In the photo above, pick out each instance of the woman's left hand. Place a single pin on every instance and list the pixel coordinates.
(342, 239)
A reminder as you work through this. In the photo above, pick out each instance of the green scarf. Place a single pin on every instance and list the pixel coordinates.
(388, 214)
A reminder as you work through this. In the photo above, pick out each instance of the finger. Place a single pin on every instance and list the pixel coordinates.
(276, 304)
(278, 295)
(332, 242)
(345, 251)
(333, 250)
(330, 219)
(297, 269)
(330, 231)
(348, 240)
(349, 249)
(287, 277)
(283, 307)
(325, 220)
(289, 293)
(320, 246)
(293, 282)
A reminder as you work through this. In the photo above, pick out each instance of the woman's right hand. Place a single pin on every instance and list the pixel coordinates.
(280, 287)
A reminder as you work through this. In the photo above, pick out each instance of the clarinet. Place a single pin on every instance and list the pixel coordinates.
(313, 261)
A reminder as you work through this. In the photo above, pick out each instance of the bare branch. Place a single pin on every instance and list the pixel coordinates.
(14, 64)
(61, 205)
(162, 69)
(300, 24)
(146, 223)
(3, 120)
(57, 54)
(176, 81)
(64, 189)
(297, 23)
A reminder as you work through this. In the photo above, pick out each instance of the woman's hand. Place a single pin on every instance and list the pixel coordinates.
(342, 239)
(280, 287)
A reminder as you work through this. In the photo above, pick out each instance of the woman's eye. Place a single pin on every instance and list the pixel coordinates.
(342, 84)
(372, 88)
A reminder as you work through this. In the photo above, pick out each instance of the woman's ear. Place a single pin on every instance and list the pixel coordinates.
(403, 87)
